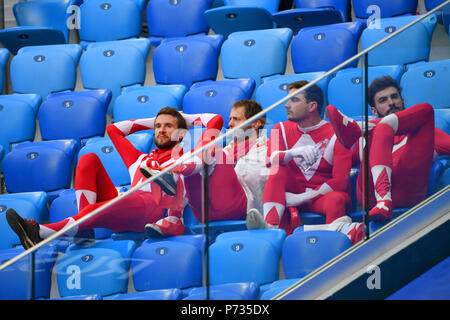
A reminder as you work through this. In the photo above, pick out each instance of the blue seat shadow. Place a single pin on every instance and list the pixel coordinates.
(162, 294)
(187, 60)
(227, 291)
(365, 8)
(101, 268)
(4, 57)
(145, 102)
(30, 205)
(340, 5)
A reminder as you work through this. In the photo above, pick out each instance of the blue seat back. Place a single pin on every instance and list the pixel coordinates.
(110, 158)
(431, 4)
(17, 119)
(217, 96)
(163, 294)
(30, 205)
(98, 269)
(145, 102)
(386, 8)
(187, 60)
(351, 81)
(243, 259)
(74, 115)
(186, 18)
(410, 46)
(239, 291)
(305, 251)
(427, 82)
(340, 5)
(255, 54)
(39, 166)
(166, 264)
(4, 57)
(15, 279)
(114, 65)
(53, 14)
(322, 48)
(275, 88)
(238, 15)
(299, 18)
(110, 20)
(45, 69)
(442, 119)
(275, 236)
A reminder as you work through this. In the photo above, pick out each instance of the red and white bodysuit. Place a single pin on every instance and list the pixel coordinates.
(323, 187)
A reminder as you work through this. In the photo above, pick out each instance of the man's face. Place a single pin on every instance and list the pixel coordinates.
(237, 116)
(166, 133)
(297, 108)
(387, 101)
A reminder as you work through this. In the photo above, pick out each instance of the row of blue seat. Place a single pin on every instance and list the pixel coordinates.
(49, 22)
(243, 265)
(256, 54)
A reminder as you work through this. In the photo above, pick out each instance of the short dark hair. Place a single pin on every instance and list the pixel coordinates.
(181, 122)
(313, 93)
(380, 84)
(251, 107)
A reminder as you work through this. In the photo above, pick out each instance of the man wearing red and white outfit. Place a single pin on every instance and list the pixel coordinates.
(309, 168)
(402, 145)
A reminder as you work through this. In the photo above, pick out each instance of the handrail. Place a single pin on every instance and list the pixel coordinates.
(221, 137)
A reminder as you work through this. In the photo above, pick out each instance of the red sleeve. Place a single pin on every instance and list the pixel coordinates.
(125, 148)
(441, 142)
(275, 146)
(342, 164)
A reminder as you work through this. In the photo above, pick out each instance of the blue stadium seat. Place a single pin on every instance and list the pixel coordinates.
(341, 5)
(350, 81)
(386, 9)
(217, 96)
(114, 65)
(299, 18)
(410, 46)
(66, 206)
(243, 259)
(275, 236)
(165, 265)
(427, 82)
(39, 23)
(110, 20)
(40, 166)
(30, 205)
(101, 268)
(145, 102)
(442, 119)
(4, 57)
(74, 115)
(431, 4)
(324, 47)
(187, 60)
(255, 54)
(17, 119)
(229, 291)
(186, 18)
(305, 251)
(15, 279)
(110, 158)
(275, 88)
(269, 291)
(162, 294)
(81, 297)
(45, 69)
(239, 15)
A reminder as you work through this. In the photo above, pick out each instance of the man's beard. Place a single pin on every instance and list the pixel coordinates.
(169, 144)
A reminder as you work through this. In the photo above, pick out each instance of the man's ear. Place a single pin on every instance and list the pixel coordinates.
(374, 111)
(313, 106)
(255, 125)
(181, 133)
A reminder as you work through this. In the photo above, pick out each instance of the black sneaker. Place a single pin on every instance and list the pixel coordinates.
(166, 181)
(26, 230)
